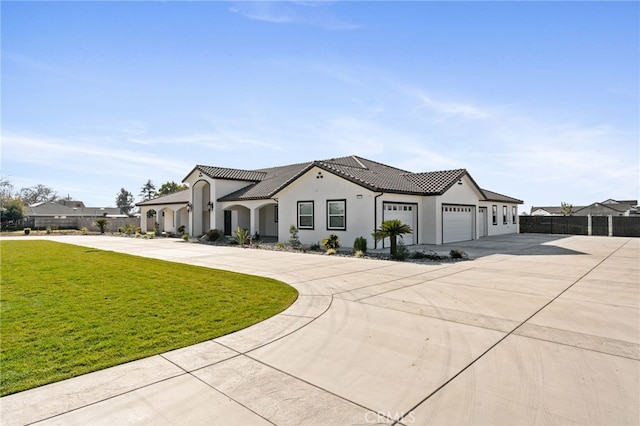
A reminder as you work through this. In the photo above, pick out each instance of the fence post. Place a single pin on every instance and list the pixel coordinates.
(589, 225)
(610, 223)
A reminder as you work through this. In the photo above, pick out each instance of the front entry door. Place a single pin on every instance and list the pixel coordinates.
(227, 222)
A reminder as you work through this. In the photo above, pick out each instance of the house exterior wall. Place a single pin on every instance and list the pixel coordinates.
(501, 228)
(311, 187)
(465, 194)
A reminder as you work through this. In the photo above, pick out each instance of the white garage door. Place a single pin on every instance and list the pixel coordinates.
(457, 223)
(406, 213)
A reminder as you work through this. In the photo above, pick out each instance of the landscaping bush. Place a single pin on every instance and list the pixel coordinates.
(84, 230)
(181, 229)
(242, 235)
(358, 253)
(402, 252)
(315, 247)
(331, 242)
(294, 240)
(185, 237)
(27, 231)
(458, 253)
(214, 234)
(360, 244)
(330, 252)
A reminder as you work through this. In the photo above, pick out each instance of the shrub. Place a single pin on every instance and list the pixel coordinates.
(102, 223)
(330, 252)
(293, 237)
(48, 231)
(402, 252)
(358, 253)
(214, 234)
(181, 229)
(331, 242)
(256, 237)
(458, 253)
(281, 245)
(360, 244)
(315, 247)
(185, 237)
(27, 231)
(242, 235)
(84, 230)
(121, 229)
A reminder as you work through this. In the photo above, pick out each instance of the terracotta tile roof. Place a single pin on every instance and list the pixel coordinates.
(180, 197)
(366, 173)
(494, 196)
(435, 183)
(231, 174)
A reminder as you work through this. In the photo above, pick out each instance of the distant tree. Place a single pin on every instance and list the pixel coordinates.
(566, 209)
(124, 200)
(7, 193)
(12, 210)
(38, 194)
(170, 187)
(102, 223)
(148, 191)
(392, 229)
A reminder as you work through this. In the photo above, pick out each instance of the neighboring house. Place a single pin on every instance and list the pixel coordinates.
(72, 215)
(348, 196)
(608, 207)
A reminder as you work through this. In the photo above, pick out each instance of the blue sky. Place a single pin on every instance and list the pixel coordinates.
(537, 100)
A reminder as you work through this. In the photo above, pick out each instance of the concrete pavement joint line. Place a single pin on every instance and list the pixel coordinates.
(71, 410)
(412, 409)
(316, 386)
(405, 286)
(444, 318)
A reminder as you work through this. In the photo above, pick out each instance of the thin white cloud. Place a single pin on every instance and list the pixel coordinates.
(445, 110)
(294, 12)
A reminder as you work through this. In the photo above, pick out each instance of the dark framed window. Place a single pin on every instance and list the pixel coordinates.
(337, 214)
(275, 214)
(514, 213)
(305, 214)
(494, 212)
(505, 219)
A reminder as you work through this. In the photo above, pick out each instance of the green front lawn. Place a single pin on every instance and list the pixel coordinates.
(67, 310)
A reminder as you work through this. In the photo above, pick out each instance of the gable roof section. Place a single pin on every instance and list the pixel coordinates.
(366, 173)
(494, 196)
(180, 197)
(229, 174)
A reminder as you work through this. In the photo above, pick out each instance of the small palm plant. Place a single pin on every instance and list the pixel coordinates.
(102, 223)
(392, 229)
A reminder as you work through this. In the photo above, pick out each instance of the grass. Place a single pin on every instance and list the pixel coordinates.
(67, 310)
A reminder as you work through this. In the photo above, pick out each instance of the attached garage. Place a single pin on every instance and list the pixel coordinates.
(407, 214)
(457, 223)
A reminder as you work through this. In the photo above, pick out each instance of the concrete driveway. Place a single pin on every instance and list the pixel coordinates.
(536, 330)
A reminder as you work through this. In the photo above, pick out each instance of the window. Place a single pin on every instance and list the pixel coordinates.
(275, 214)
(514, 214)
(305, 214)
(494, 211)
(505, 220)
(337, 214)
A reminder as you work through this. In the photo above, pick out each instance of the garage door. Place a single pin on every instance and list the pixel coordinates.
(406, 213)
(457, 223)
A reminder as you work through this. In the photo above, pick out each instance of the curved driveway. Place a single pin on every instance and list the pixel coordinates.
(539, 330)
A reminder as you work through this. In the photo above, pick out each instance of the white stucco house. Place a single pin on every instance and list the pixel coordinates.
(347, 196)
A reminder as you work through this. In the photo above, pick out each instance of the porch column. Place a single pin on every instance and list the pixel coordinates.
(143, 219)
(254, 217)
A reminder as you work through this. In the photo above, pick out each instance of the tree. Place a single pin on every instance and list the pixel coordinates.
(38, 194)
(102, 223)
(566, 209)
(170, 187)
(392, 229)
(148, 191)
(6, 191)
(11, 211)
(124, 200)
